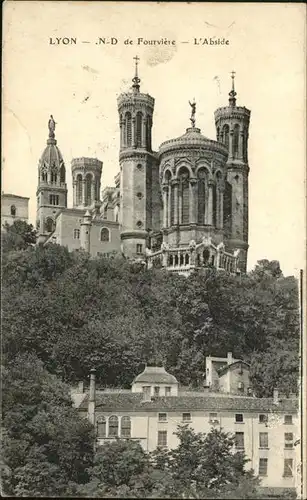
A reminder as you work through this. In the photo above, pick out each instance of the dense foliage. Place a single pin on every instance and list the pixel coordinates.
(64, 313)
(74, 313)
(46, 446)
(17, 236)
(202, 466)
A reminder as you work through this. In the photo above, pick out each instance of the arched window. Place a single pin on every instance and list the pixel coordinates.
(101, 426)
(202, 187)
(206, 255)
(13, 210)
(116, 213)
(44, 176)
(49, 225)
(104, 234)
(226, 135)
(169, 199)
(125, 427)
(184, 188)
(235, 142)
(128, 129)
(227, 216)
(113, 426)
(97, 189)
(88, 189)
(139, 118)
(79, 190)
(62, 174)
(53, 177)
(148, 132)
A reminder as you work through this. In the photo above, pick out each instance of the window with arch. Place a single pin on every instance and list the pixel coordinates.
(125, 430)
(88, 189)
(13, 210)
(97, 189)
(49, 225)
(116, 213)
(62, 174)
(53, 177)
(104, 234)
(113, 426)
(79, 189)
(227, 215)
(44, 176)
(202, 176)
(139, 118)
(184, 189)
(235, 141)
(148, 132)
(226, 135)
(101, 426)
(128, 129)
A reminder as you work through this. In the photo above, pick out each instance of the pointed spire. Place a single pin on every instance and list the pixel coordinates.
(232, 93)
(136, 80)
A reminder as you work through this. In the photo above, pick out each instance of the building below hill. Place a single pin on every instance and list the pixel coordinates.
(182, 207)
(14, 207)
(267, 430)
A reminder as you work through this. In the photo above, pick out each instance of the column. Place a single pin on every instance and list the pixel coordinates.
(122, 133)
(169, 206)
(231, 145)
(133, 134)
(93, 194)
(206, 204)
(180, 204)
(193, 200)
(175, 188)
(164, 191)
(221, 207)
(143, 143)
(83, 192)
(210, 204)
(241, 144)
(74, 193)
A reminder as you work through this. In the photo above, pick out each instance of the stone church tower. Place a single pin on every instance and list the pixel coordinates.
(232, 128)
(51, 189)
(139, 171)
(86, 175)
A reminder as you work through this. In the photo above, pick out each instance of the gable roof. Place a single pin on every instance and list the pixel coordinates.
(225, 368)
(134, 402)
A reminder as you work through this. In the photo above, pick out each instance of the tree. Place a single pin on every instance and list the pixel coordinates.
(18, 236)
(205, 464)
(47, 447)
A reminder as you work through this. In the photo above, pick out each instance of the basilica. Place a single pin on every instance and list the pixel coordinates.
(182, 207)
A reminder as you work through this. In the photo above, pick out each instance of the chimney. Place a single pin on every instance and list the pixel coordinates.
(81, 387)
(229, 358)
(275, 396)
(92, 396)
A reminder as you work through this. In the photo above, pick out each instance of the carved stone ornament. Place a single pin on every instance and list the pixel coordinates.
(207, 240)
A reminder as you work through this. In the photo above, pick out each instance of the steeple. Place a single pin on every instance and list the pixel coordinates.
(232, 93)
(136, 80)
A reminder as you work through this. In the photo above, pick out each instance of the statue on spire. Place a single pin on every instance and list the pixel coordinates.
(51, 126)
(193, 112)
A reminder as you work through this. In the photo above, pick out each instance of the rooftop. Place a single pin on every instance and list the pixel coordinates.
(155, 375)
(134, 402)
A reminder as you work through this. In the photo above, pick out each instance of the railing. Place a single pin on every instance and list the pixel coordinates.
(194, 256)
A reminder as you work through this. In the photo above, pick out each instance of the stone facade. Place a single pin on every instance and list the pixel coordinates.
(266, 429)
(182, 207)
(13, 208)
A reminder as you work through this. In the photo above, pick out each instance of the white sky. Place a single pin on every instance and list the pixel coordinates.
(79, 85)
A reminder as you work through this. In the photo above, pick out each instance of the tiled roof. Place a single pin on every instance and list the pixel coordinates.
(134, 402)
(225, 368)
(155, 375)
